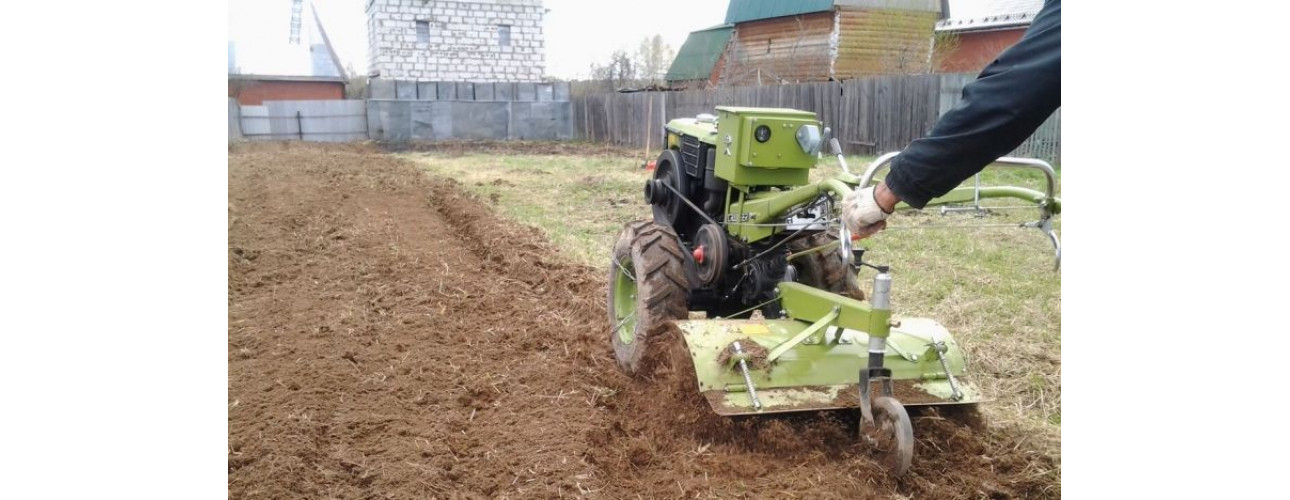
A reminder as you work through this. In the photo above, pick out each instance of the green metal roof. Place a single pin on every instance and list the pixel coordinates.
(749, 10)
(699, 53)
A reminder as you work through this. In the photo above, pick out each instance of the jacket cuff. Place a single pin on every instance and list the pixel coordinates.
(899, 183)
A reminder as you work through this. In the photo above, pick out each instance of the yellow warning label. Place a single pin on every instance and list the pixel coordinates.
(753, 328)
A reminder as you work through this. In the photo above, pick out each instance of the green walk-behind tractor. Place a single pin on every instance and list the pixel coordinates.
(737, 229)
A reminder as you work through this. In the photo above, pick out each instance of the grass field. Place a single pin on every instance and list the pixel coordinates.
(993, 287)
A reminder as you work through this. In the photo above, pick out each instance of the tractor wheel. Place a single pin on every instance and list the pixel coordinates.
(647, 289)
(825, 270)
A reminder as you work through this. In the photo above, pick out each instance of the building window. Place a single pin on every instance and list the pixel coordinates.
(504, 35)
(423, 31)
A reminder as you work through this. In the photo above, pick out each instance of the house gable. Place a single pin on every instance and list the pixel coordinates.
(699, 54)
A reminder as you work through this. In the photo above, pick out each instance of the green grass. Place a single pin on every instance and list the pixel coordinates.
(994, 288)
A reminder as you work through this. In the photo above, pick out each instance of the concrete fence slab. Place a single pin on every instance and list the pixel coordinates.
(480, 120)
(541, 121)
(399, 120)
(405, 89)
(397, 117)
(380, 88)
(525, 92)
(504, 91)
(427, 91)
(484, 92)
(447, 91)
(465, 91)
(376, 118)
(429, 121)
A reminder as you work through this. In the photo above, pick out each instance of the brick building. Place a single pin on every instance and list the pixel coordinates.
(453, 41)
(972, 39)
(253, 90)
(296, 63)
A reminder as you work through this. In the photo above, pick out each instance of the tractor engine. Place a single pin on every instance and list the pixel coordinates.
(686, 171)
(705, 186)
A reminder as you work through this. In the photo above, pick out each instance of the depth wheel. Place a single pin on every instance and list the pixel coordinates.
(892, 435)
(647, 289)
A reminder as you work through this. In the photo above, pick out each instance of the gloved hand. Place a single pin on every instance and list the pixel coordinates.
(861, 213)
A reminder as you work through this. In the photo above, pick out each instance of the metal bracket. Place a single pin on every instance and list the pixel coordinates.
(976, 202)
(911, 357)
(868, 375)
(1045, 224)
(782, 348)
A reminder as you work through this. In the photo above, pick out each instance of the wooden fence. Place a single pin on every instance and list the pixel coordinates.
(1045, 143)
(869, 116)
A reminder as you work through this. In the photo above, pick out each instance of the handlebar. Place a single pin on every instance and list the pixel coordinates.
(884, 162)
(1049, 204)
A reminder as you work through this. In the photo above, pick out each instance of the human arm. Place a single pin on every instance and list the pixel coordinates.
(1011, 98)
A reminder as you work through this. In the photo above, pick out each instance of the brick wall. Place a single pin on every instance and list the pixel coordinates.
(465, 40)
(977, 49)
(255, 92)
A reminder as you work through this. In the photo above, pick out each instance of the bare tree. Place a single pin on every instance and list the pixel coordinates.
(621, 71)
(356, 86)
(944, 45)
(653, 58)
(237, 85)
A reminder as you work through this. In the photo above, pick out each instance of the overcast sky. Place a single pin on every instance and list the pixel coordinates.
(578, 32)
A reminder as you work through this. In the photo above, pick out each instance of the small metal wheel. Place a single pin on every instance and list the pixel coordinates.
(892, 435)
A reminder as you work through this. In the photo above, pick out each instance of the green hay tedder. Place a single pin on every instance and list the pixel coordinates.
(739, 229)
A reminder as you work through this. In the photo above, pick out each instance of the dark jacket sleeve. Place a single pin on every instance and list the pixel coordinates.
(1005, 104)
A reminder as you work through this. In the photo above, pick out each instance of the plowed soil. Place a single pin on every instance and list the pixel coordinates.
(390, 337)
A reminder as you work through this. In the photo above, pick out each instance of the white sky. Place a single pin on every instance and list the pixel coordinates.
(578, 32)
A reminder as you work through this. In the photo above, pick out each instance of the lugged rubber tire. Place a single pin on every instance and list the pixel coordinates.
(653, 255)
(825, 270)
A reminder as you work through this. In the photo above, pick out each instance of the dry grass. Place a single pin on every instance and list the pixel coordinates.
(580, 202)
(995, 288)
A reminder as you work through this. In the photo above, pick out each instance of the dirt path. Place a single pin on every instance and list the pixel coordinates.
(389, 337)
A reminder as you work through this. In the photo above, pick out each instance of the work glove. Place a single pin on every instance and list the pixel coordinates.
(861, 213)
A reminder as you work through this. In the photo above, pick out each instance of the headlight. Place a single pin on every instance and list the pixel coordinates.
(808, 137)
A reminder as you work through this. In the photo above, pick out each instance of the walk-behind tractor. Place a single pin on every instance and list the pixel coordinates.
(738, 229)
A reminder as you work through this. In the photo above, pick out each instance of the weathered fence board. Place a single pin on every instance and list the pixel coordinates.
(1045, 143)
(868, 116)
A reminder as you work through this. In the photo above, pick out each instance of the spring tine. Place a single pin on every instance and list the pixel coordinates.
(743, 367)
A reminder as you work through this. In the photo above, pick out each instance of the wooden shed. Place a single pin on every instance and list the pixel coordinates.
(778, 41)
